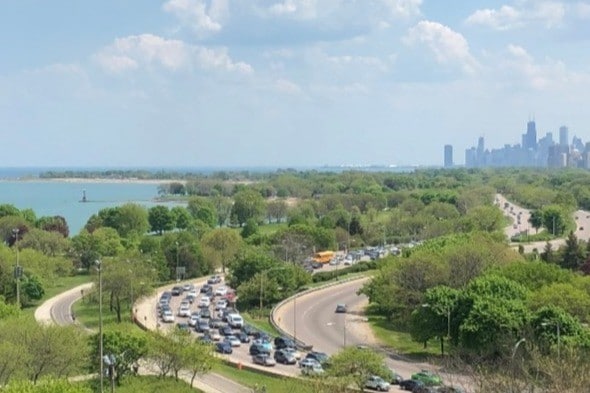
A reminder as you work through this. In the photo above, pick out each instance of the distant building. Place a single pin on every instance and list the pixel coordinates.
(448, 156)
(563, 136)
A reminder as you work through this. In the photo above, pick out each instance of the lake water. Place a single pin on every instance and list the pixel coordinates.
(53, 198)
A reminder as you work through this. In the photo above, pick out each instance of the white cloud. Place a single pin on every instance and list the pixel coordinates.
(403, 8)
(582, 10)
(201, 17)
(148, 50)
(448, 46)
(505, 18)
(548, 13)
(520, 67)
(286, 86)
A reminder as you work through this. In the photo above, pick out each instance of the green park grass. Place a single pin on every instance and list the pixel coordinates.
(401, 342)
(146, 384)
(55, 287)
(253, 379)
(87, 313)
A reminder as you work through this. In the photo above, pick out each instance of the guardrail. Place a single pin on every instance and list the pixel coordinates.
(300, 344)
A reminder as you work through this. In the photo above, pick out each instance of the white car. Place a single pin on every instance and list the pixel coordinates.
(167, 316)
(233, 341)
(193, 320)
(204, 302)
(215, 335)
(295, 352)
(221, 304)
(184, 311)
(221, 291)
(193, 292)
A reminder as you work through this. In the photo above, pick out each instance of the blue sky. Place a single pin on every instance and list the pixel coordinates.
(285, 82)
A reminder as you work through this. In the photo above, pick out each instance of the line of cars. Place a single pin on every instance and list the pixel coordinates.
(217, 322)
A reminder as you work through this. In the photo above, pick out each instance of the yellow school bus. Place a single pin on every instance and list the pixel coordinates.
(323, 256)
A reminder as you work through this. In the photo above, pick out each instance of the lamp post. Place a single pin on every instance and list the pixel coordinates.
(100, 336)
(177, 275)
(17, 268)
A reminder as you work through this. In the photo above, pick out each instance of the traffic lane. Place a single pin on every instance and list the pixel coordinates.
(311, 317)
(61, 310)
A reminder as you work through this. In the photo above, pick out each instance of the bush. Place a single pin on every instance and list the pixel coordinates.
(359, 267)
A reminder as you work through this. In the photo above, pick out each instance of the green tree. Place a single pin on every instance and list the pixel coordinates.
(182, 217)
(160, 219)
(548, 255)
(356, 365)
(220, 246)
(249, 229)
(127, 347)
(276, 209)
(132, 220)
(54, 224)
(536, 219)
(248, 204)
(572, 254)
(554, 219)
(203, 209)
(49, 243)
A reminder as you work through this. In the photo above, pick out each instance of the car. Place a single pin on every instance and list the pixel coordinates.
(221, 291)
(216, 323)
(184, 311)
(410, 384)
(244, 338)
(192, 292)
(312, 369)
(265, 343)
(235, 321)
(165, 308)
(223, 347)
(166, 295)
(221, 304)
(187, 287)
(204, 302)
(260, 335)
(293, 351)
(284, 357)
(334, 262)
(168, 316)
(263, 359)
(284, 342)
(176, 291)
(189, 299)
(321, 357)
(377, 383)
(206, 339)
(308, 362)
(394, 378)
(202, 326)
(183, 326)
(214, 279)
(256, 349)
(193, 319)
(249, 329)
(206, 288)
(205, 313)
(215, 336)
(341, 308)
(233, 341)
(226, 330)
(427, 377)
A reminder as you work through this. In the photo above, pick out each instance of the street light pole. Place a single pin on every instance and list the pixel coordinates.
(100, 336)
(17, 269)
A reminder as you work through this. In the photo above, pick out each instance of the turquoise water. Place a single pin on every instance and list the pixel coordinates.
(63, 199)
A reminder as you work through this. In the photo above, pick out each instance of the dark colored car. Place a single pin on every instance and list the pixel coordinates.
(249, 329)
(176, 291)
(206, 338)
(256, 349)
(244, 338)
(258, 335)
(410, 384)
(284, 342)
(223, 347)
(321, 357)
(202, 326)
(205, 313)
(226, 331)
(341, 308)
(206, 288)
(216, 323)
(284, 357)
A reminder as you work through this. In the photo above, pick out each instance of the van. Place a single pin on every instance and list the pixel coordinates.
(235, 321)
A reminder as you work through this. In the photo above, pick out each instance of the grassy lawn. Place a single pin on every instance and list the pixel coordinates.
(87, 314)
(146, 384)
(254, 379)
(260, 323)
(401, 342)
(57, 286)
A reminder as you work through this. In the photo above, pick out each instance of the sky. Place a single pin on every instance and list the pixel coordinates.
(285, 83)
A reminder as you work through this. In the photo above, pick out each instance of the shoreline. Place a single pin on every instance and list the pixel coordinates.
(97, 180)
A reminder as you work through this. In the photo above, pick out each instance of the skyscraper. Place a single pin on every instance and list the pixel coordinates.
(529, 140)
(448, 156)
(563, 136)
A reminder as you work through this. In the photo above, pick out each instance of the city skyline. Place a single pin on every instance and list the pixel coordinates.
(283, 83)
